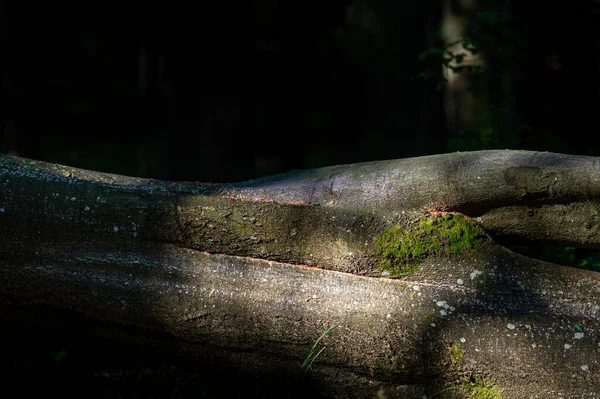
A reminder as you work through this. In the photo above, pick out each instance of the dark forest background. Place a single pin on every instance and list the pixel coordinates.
(222, 92)
(219, 91)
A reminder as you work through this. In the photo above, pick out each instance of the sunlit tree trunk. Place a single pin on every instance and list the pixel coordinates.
(251, 275)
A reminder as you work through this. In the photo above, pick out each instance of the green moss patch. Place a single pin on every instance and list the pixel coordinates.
(456, 352)
(401, 251)
(465, 384)
(483, 389)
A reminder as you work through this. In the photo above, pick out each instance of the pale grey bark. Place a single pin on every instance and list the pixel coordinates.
(251, 274)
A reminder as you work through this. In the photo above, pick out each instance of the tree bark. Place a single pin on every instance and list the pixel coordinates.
(250, 275)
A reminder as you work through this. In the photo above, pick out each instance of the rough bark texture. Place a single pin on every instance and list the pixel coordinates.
(249, 275)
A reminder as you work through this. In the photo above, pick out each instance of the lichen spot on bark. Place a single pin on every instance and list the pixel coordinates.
(400, 251)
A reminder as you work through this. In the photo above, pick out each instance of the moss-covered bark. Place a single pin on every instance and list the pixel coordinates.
(249, 275)
(400, 251)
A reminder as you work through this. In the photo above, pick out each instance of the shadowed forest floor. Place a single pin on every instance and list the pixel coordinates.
(40, 364)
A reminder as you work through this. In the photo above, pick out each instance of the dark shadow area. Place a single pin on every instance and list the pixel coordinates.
(230, 94)
(581, 258)
(235, 93)
(60, 357)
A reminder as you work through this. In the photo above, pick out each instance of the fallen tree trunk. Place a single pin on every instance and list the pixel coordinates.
(251, 274)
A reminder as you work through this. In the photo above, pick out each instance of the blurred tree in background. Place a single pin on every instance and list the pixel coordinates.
(520, 77)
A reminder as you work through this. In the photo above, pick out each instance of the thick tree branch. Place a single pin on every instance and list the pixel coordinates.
(183, 260)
